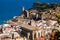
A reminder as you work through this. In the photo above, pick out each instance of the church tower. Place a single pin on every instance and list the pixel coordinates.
(23, 8)
(26, 13)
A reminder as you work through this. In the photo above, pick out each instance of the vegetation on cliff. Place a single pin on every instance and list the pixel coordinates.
(57, 35)
(46, 5)
(58, 17)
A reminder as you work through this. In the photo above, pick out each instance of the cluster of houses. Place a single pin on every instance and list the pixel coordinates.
(30, 25)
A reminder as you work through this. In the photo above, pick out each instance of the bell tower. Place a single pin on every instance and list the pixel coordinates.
(23, 8)
(27, 13)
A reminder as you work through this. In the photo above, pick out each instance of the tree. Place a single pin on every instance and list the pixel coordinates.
(53, 6)
(58, 17)
(39, 4)
(57, 35)
(36, 4)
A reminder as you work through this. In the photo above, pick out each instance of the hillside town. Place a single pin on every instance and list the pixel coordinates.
(32, 24)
